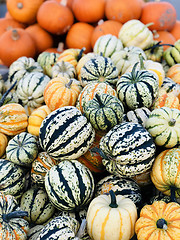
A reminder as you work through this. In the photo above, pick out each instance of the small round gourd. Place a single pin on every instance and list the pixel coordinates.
(69, 185)
(3, 143)
(22, 149)
(34, 231)
(63, 69)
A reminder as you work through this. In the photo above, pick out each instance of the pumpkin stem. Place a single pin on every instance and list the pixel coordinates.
(15, 35)
(80, 53)
(6, 93)
(161, 223)
(134, 71)
(172, 122)
(113, 203)
(19, 5)
(149, 24)
(81, 230)
(173, 194)
(68, 85)
(14, 214)
(158, 44)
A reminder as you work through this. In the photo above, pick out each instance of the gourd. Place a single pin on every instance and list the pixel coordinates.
(3, 144)
(135, 33)
(12, 178)
(30, 89)
(69, 185)
(61, 91)
(171, 86)
(111, 217)
(89, 91)
(154, 51)
(34, 231)
(63, 69)
(35, 201)
(22, 149)
(137, 88)
(12, 222)
(163, 125)
(13, 119)
(158, 220)
(165, 173)
(172, 54)
(107, 45)
(128, 149)
(99, 69)
(174, 73)
(72, 136)
(104, 111)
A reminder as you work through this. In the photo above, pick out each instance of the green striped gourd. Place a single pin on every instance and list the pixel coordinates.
(35, 201)
(104, 111)
(30, 89)
(34, 231)
(164, 126)
(171, 86)
(22, 149)
(107, 44)
(99, 69)
(139, 115)
(12, 178)
(137, 88)
(128, 149)
(121, 186)
(89, 91)
(66, 134)
(40, 166)
(63, 69)
(12, 223)
(69, 185)
(172, 54)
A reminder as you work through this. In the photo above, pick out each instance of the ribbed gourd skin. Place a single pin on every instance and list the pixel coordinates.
(129, 149)
(66, 134)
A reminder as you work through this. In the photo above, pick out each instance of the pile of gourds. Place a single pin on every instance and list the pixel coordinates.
(90, 140)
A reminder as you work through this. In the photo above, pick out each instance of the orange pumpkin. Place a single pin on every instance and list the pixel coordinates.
(175, 31)
(90, 11)
(3, 143)
(79, 36)
(123, 11)
(24, 11)
(165, 37)
(54, 17)
(61, 91)
(174, 73)
(16, 43)
(9, 23)
(41, 37)
(13, 119)
(161, 13)
(105, 27)
(59, 49)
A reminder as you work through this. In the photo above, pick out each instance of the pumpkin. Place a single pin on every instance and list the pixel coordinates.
(42, 38)
(15, 43)
(24, 11)
(174, 73)
(99, 69)
(104, 111)
(104, 27)
(88, 11)
(22, 66)
(63, 69)
(163, 125)
(138, 115)
(35, 119)
(13, 119)
(170, 86)
(165, 37)
(35, 201)
(162, 14)
(165, 173)
(159, 220)
(40, 166)
(126, 57)
(135, 33)
(111, 217)
(154, 51)
(22, 149)
(6, 24)
(58, 20)
(69, 185)
(175, 31)
(121, 186)
(61, 91)
(59, 48)
(127, 149)
(72, 136)
(12, 178)
(47, 60)
(89, 91)
(79, 36)
(172, 54)
(123, 11)
(137, 88)
(3, 143)
(12, 223)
